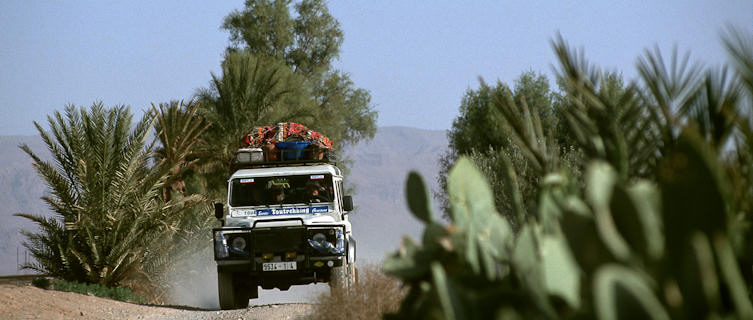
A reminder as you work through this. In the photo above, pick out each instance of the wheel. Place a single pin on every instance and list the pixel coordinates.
(252, 292)
(337, 277)
(352, 276)
(343, 276)
(226, 290)
(231, 295)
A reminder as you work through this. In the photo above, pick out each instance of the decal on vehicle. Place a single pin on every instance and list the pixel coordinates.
(278, 183)
(317, 177)
(287, 211)
(241, 213)
(250, 180)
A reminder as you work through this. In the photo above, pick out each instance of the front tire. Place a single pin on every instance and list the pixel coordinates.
(231, 295)
(343, 277)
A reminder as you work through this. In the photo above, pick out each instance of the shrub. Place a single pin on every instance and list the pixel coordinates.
(374, 295)
(120, 294)
(41, 282)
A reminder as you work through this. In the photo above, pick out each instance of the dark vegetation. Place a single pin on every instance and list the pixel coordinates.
(97, 290)
(610, 201)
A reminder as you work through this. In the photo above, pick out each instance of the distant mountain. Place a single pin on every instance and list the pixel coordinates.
(378, 171)
(20, 190)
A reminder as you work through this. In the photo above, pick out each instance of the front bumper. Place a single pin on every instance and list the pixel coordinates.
(276, 245)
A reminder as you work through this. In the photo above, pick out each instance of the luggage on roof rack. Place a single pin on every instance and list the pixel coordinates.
(284, 132)
(284, 144)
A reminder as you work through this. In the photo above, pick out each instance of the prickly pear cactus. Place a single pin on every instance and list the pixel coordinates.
(612, 249)
(475, 267)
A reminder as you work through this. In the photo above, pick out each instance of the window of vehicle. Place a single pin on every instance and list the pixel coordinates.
(312, 188)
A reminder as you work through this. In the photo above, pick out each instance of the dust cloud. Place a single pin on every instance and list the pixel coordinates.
(192, 279)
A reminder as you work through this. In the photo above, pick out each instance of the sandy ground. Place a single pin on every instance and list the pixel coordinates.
(23, 301)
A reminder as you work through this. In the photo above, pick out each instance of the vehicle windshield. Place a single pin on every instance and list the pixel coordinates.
(258, 191)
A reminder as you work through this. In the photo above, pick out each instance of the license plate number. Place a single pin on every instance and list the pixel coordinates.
(279, 266)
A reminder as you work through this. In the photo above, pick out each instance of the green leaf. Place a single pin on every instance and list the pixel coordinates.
(646, 200)
(561, 274)
(474, 213)
(695, 192)
(621, 293)
(408, 263)
(732, 276)
(600, 182)
(512, 188)
(469, 193)
(451, 305)
(580, 230)
(550, 198)
(418, 198)
(528, 266)
(627, 219)
(433, 233)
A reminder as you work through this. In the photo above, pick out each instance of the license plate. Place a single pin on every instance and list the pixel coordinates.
(279, 266)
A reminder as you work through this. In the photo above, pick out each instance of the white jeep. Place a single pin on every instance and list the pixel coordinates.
(286, 224)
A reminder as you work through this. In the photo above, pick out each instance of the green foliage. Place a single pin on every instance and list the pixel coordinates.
(250, 91)
(308, 43)
(656, 227)
(418, 202)
(105, 194)
(179, 129)
(41, 282)
(279, 70)
(97, 290)
(478, 133)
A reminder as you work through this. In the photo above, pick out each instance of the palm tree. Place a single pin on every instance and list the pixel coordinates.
(179, 128)
(251, 91)
(105, 194)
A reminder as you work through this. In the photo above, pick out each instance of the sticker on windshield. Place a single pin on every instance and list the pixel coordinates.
(247, 180)
(317, 177)
(279, 183)
(287, 211)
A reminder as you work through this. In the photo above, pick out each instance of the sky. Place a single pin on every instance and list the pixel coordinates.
(417, 58)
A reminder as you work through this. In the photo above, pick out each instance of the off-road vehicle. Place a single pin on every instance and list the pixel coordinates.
(285, 223)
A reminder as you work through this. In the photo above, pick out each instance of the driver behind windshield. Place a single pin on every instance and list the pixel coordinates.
(316, 193)
(277, 195)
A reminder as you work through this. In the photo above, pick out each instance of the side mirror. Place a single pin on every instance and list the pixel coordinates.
(348, 203)
(219, 210)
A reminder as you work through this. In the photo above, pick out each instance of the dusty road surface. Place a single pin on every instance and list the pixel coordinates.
(23, 301)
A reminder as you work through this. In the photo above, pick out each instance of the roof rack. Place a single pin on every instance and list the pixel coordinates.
(248, 158)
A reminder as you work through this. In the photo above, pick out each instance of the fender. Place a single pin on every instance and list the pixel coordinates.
(351, 249)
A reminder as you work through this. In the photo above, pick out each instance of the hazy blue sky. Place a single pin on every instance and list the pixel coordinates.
(416, 58)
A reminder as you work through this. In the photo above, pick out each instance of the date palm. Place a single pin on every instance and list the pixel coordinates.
(251, 91)
(104, 193)
(179, 128)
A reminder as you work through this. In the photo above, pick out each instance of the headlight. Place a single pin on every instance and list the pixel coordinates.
(319, 243)
(220, 246)
(319, 237)
(339, 242)
(239, 243)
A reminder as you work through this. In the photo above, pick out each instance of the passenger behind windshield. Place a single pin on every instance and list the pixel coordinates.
(316, 192)
(281, 190)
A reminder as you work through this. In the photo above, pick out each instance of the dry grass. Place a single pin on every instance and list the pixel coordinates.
(374, 295)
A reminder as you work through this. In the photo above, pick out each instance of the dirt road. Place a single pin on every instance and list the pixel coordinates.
(23, 301)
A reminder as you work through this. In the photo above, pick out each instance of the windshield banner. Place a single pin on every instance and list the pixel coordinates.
(287, 211)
